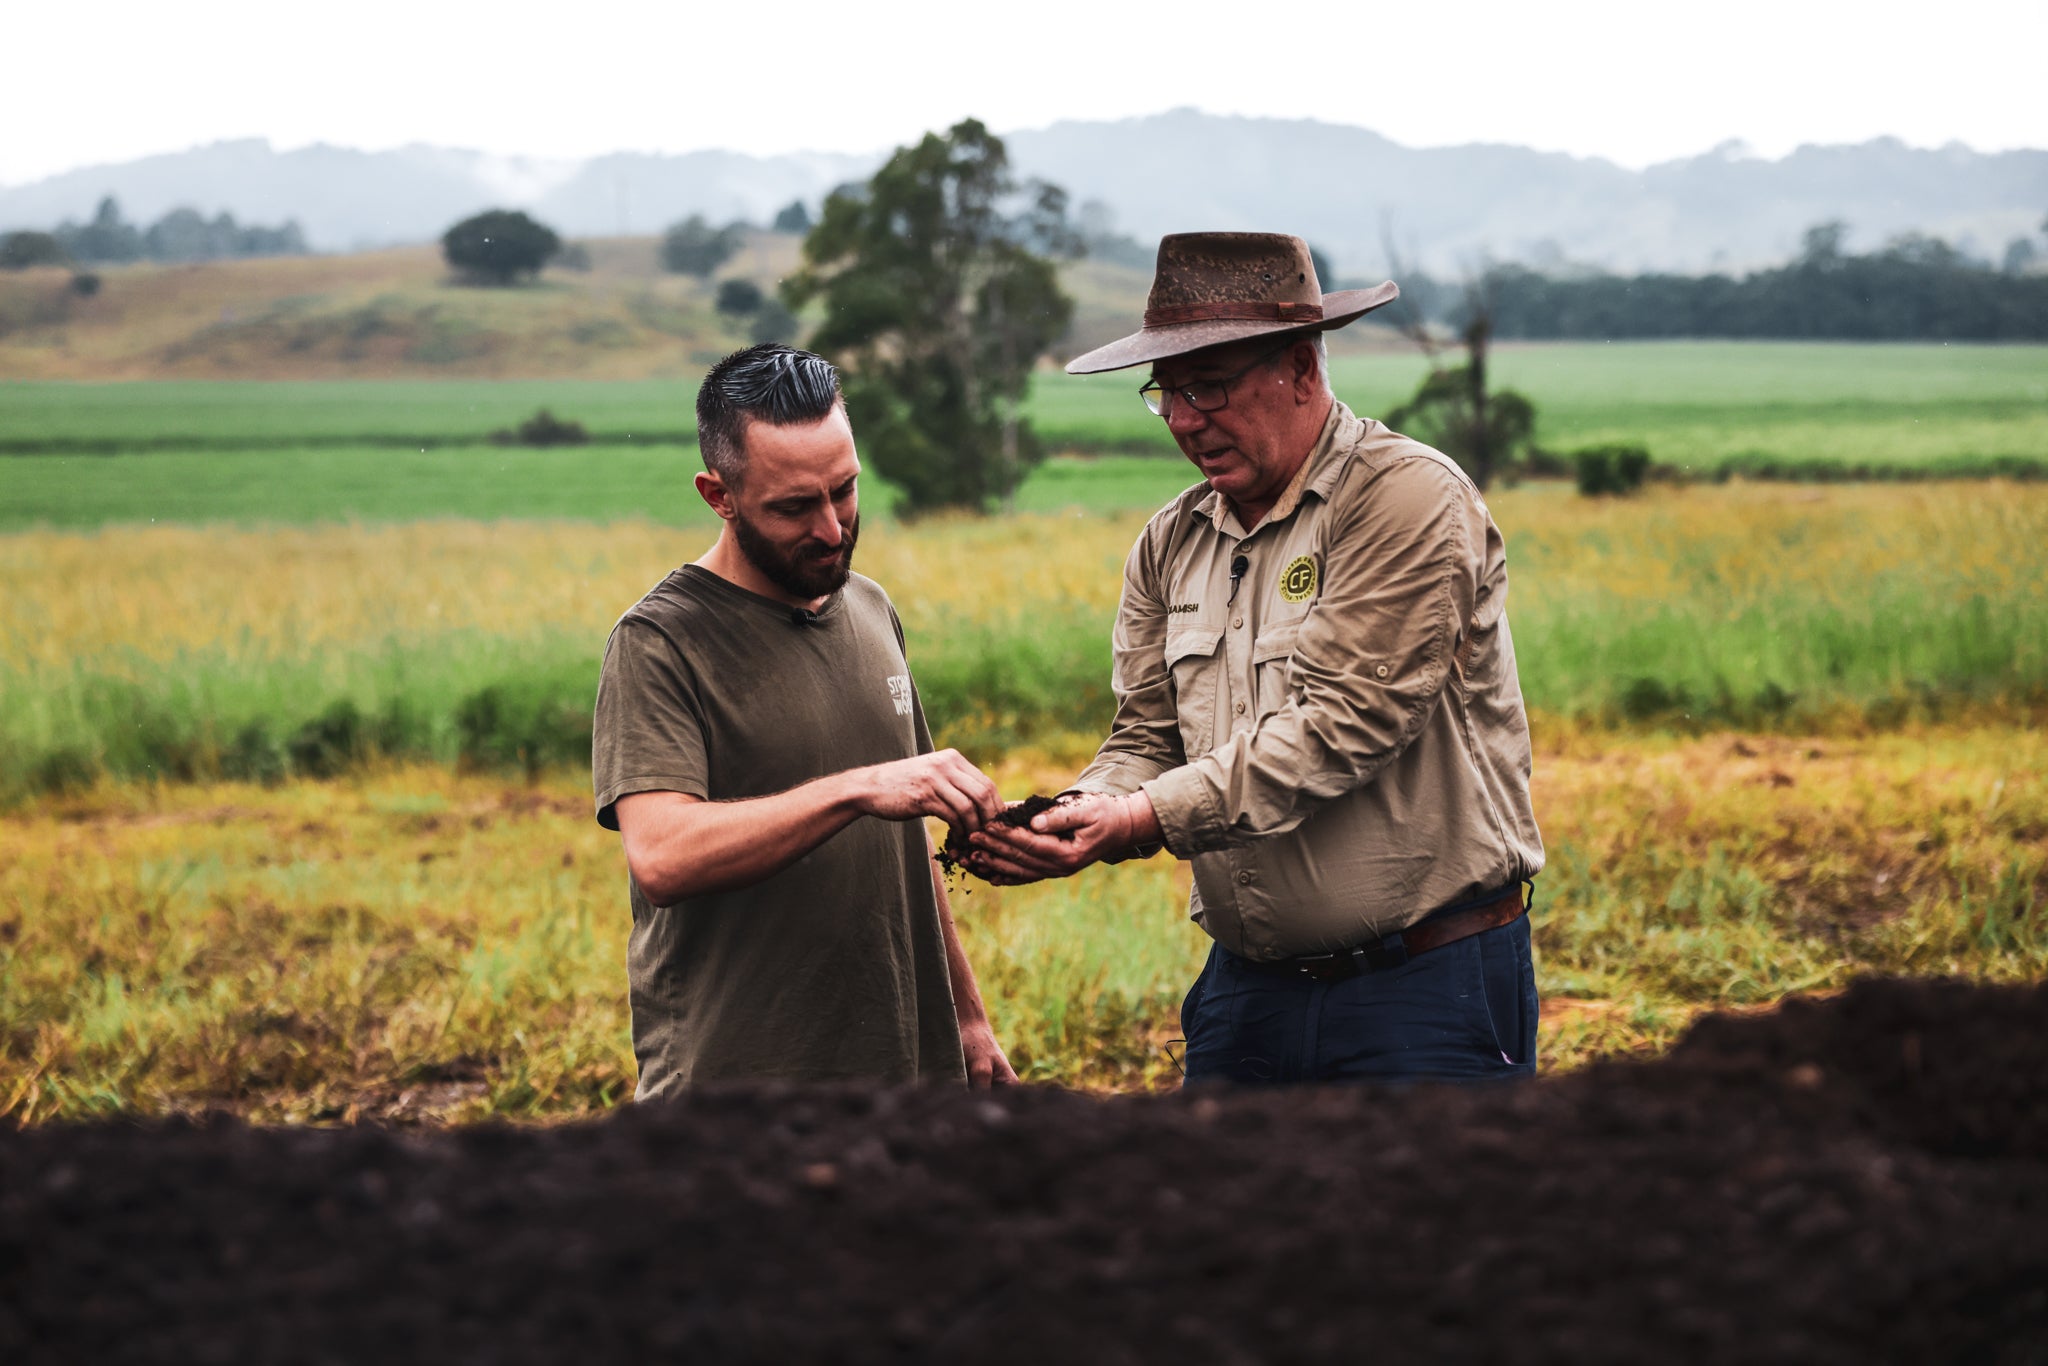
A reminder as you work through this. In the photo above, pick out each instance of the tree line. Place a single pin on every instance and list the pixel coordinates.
(181, 235)
(1915, 288)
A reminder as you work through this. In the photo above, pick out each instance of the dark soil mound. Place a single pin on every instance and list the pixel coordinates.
(1863, 1179)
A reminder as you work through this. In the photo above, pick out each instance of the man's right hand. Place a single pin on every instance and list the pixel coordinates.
(941, 784)
(679, 845)
(1079, 831)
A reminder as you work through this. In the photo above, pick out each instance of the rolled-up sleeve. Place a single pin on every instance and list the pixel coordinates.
(1400, 574)
(1144, 741)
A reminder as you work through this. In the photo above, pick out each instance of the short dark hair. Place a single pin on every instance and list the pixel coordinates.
(770, 383)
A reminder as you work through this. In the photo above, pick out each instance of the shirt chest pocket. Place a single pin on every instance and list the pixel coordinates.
(1271, 653)
(1191, 657)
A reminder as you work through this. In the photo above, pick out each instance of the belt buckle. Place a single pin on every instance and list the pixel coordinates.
(1327, 967)
(1388, 952)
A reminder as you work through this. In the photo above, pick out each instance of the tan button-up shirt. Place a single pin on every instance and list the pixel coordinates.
(1335, 736)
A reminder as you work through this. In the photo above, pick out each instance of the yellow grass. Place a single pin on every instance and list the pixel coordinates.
(132, 599)
(416, 945)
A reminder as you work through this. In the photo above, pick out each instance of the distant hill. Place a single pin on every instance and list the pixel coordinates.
(1344, 188)
(389, 313)
(396, 312)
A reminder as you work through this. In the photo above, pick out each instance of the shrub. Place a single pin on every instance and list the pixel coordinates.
(740, 298)
(498, 246)
(772, 322)
(1610, 469)
(20, 250)
(331, 743)
(694, 247)
(542, 429)
(793, 217)
(528, 723)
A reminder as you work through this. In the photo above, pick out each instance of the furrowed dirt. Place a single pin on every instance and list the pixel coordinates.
(1856, 1179)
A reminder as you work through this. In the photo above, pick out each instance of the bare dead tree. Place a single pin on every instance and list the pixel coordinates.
(1456, 409)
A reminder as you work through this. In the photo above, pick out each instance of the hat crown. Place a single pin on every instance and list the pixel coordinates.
(1197, 269)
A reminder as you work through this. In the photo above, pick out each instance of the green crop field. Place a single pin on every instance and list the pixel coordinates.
(299, 451)
(379, 484)
(1693, 404)
(54, 416)
(1690, 401)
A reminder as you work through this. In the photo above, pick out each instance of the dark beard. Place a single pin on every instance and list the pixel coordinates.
(797, 574)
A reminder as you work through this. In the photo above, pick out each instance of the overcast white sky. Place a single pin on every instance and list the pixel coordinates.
(1633, 82)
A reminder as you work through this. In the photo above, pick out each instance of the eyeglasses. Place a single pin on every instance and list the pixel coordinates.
(1203, 395)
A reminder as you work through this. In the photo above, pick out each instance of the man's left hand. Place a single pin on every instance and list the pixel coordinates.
(1064, 840)
(987, 1065)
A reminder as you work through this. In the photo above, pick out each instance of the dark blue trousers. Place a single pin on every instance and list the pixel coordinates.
(1461, 1012)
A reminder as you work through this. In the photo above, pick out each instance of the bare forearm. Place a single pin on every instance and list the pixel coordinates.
(697, 848)
(678, 845)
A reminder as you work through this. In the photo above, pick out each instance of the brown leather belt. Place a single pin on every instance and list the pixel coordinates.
(1443, 927)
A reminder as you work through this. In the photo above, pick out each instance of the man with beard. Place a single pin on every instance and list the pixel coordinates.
(761, 750)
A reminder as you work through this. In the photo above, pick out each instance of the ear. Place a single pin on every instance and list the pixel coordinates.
(714, 492)
(1307, 379)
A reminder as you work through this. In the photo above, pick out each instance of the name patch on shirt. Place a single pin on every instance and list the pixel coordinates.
(1298, 579)
(899, 693)
(1183, 608)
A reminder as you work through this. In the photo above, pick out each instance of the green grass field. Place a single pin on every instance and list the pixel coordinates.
(299, 486)
(1692, 403)
(228, 415)
(294, 452)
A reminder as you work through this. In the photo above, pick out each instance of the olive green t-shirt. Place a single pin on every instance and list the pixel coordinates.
(835, 967)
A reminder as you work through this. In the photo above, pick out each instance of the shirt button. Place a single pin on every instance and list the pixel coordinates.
(1238, 622)
(1381, 671)
(1245, 876)
(1240, 709)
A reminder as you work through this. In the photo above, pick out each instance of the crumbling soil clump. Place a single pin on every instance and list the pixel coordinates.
(1853, 1180)
(953, 856)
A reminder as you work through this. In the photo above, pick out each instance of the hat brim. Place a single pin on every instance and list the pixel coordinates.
(1340, 308)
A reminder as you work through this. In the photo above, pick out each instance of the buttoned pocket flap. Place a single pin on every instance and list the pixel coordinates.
(1276, 642)
(1190, 642)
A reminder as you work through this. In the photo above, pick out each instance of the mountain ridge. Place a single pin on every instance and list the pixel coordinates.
(1348, 189)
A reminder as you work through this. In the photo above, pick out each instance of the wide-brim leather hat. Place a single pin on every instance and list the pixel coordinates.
(1214, 287)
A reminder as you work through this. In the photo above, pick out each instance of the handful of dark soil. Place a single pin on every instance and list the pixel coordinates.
(953, 857)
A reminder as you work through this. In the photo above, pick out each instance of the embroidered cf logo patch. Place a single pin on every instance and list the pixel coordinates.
(1298, 579)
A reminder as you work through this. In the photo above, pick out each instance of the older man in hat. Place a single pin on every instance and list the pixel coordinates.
(1316, 704)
